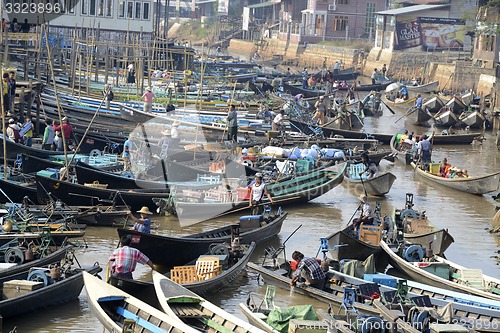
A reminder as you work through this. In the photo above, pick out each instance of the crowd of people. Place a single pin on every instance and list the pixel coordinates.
(15, 26)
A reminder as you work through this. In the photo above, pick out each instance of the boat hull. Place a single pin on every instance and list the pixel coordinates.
(377, 186)
(472, 185)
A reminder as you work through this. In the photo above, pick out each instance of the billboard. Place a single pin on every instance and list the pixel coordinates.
(442, 33)
(429, 33)
(408, 34)
(246, 18)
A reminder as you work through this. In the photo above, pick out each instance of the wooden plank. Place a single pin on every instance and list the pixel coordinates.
(139, 321)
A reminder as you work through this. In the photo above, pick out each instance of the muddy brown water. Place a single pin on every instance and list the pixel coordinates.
(467, 217)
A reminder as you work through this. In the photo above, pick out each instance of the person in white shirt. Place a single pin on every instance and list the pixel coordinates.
(366, 213)
(278, 121)
(258, 190)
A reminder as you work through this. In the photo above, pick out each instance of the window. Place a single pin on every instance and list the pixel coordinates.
(92, 9)
(370, 17)
(85, 7)
(100, 7)
(343, 2)
(130, 9)
(145, 11)
(70, 6)
(121, 10)
(138, 10)
(109, 6)
(340, 23)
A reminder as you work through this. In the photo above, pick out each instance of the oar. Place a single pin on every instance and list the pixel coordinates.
(413, 109)
(388, 107)
(363, 183)
(350, 220)
(261, 204)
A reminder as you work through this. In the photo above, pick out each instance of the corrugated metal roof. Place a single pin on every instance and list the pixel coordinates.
(411, 9)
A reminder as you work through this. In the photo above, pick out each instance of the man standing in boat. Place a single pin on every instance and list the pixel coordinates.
(258, 190)
(425, 149)
(125, 258)
(309, 269)
(108, 95)
(148, 98)
(419, 102)
(232, 124)
(66, 129)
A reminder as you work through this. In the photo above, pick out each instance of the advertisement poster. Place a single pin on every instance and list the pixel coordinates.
(442, 33)
(223, 7)
(246, 18)
(408, 34)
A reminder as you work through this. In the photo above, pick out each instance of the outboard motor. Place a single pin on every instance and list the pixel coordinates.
(370, 324)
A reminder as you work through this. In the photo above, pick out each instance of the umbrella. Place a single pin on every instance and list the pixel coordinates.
(391, 87)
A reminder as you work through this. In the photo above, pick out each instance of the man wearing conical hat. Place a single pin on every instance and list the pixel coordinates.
(366, 213)
(142, 224)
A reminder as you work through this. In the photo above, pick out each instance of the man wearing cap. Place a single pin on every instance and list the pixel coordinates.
(366, 213)
(65, 130)
(125, 258)
(258, 190)
(148, 98)
(13, 131)
(142, 224)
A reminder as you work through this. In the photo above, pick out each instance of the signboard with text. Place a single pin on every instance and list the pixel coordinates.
(407, 34)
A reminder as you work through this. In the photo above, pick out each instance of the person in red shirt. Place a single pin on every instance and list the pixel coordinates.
(66, 130)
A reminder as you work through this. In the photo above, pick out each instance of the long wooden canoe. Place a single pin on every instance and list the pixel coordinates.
(190, 247)
(295, 190)
(60, 292)
(489, 288)
(195, 311)
(376, 186)
(424, 88)
(112, 306)
(474, 185)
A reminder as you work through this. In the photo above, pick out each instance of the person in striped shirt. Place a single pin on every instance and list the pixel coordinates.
(125, 258)
(309, 269)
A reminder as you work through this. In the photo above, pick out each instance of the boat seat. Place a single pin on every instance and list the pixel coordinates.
(472, 278)
(388, 296)
(366, 290)
(184, 274)
(422, 301)
(187, 311)
(355, 170)
(138, 320)
(207, 268)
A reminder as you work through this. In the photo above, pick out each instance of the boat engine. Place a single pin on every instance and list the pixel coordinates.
(369, 324)
(414, 253)
(40, 275)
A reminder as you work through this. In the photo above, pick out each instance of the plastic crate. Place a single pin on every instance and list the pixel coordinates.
(434, 168)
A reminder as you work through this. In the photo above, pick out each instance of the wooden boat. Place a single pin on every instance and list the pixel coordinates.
(467, 98)
(474, 185)
(475, 312)
(330, 131)
(184, 305)
(421, 116)
(377, 186)
(14, 148)
(87, 174)
(296, 190)
(49, 293)
(433, 105)
(346, 74)
(75, 194)
(190, 247)
(423, 88)
(474, 119)
(295, 89)
(406, 224)
(18, 187)
(333, 294)
(118, 311)
(445, 118)
(468, 281)
(187, 274)
(17, 271)
(455, 105)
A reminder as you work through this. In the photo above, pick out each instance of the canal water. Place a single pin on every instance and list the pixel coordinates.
(467, 217)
